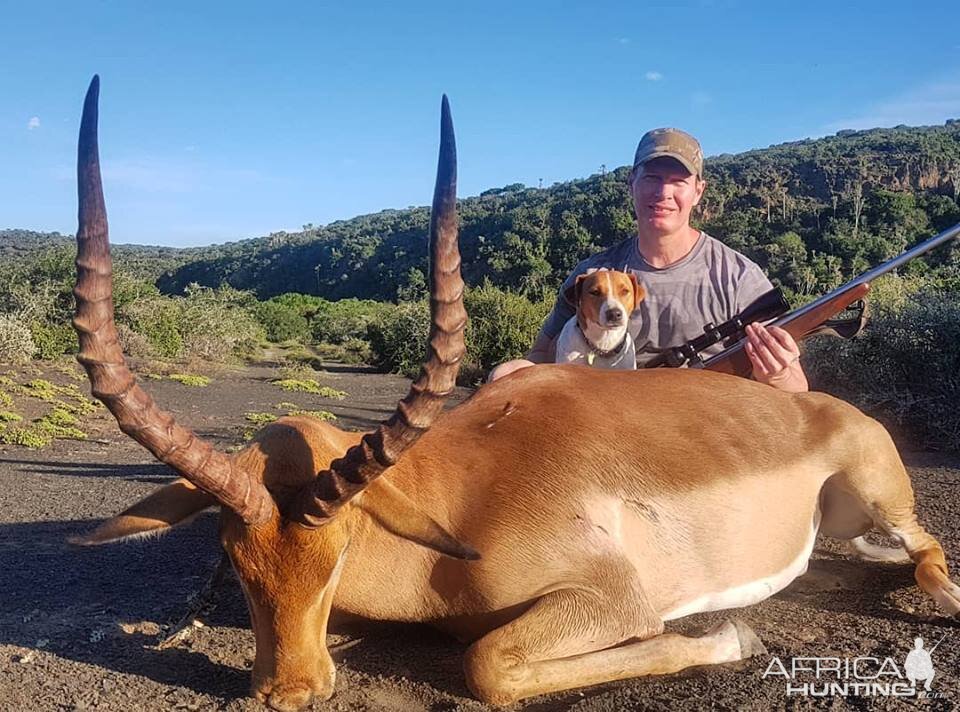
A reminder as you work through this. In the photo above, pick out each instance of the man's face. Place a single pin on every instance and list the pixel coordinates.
(664, 193)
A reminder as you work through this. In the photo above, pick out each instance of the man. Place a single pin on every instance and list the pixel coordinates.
(689, 277)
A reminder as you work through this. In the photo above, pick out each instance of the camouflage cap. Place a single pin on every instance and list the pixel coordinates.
(674, 143)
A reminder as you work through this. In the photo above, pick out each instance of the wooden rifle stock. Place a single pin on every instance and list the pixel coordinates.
(798, 324)
(801, 322)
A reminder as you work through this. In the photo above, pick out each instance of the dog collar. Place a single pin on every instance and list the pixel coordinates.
(595, 352)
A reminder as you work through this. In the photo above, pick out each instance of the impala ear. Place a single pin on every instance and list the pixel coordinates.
(177, 503)
(395, 512)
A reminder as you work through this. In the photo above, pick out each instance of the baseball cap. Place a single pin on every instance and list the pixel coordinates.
(674, 143)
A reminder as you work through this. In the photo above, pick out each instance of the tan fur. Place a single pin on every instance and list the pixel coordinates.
(602, 502)
(586, 542)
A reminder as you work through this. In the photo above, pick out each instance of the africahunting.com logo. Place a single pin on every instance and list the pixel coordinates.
(864, 676)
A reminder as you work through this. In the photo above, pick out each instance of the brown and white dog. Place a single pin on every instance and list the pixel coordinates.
(597, 335)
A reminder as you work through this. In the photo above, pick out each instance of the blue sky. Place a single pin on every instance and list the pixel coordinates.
(222, 121)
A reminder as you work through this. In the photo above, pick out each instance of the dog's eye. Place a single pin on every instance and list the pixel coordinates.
(595, 292)
(624, 292)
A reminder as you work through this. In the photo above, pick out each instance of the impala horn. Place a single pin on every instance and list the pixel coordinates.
(379, 450)
(101, 355)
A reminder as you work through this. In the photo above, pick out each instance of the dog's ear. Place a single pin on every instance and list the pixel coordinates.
(572, 293)
(638, 291)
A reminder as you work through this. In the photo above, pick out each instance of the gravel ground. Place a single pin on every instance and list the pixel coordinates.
(79, 628)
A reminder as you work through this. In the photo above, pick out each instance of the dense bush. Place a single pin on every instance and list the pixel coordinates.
(345, 320)
(398, 337)
(502, 325)
(16, 341)
(218, 323)
(157, 319)
(206, 324)
(904, 369)
(53, 339)
(282, 322)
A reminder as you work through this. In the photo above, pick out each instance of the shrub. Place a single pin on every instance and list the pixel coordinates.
(219, 322)
(134, 343)
(345, 320)
(157, 319)
(502, 325)
(398, 337)
(16, 341)
(53, 339)
(281, 321)
(904, 368)
(207, 324)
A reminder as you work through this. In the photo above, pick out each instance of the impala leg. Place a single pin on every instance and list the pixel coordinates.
(925, 551)
(880, 483)
(565, 641)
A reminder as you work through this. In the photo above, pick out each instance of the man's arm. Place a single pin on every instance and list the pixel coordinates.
(776, 358)
(544, 349)
(773, 353)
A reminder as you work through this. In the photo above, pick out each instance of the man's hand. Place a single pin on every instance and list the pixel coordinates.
(776, 358)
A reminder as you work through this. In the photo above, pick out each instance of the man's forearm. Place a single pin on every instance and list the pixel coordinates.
(543, 350)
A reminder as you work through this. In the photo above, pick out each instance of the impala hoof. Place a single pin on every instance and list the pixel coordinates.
(290, 697)
(286, 699)
(750, 644)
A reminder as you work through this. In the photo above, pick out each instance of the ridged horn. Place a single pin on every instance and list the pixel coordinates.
(379, 450)
(101, 355)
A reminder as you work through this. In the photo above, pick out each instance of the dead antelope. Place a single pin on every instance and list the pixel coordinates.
(599, 506)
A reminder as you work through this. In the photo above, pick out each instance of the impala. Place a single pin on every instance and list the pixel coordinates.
(554, 521)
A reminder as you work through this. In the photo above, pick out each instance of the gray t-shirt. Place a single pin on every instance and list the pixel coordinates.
(712, 283)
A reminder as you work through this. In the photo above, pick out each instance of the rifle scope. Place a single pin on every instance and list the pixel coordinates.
(768, 305)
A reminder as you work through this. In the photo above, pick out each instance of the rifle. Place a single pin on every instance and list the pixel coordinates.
(813, 318)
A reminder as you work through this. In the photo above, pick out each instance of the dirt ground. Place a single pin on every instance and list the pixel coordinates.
(79, 628)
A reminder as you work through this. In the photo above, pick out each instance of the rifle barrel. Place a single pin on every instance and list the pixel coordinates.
(857, 282)
(877, 271)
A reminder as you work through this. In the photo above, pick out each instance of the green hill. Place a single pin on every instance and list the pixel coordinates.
(811, 212)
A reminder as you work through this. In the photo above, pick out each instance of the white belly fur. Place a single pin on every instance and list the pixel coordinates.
(754, 591)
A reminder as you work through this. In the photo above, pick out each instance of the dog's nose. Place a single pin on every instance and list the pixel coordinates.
(615, 314)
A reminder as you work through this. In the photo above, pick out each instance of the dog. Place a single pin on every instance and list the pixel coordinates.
(597, 334)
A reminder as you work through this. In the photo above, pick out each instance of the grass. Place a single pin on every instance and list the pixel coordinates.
(309, 386)
(26, 437)
(48, 392)
(58, 424)
(261, 419)
(66, 405)
(190, 380)
(294, 371)
(318, 414)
